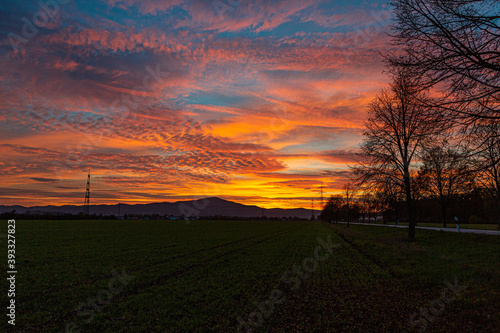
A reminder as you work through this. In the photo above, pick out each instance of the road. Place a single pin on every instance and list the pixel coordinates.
(467, 231)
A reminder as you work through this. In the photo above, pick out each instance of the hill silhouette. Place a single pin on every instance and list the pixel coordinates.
(202, 207)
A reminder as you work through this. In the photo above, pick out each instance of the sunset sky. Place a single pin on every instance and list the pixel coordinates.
(164, 100)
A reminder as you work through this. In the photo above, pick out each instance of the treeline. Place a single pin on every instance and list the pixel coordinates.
(67, 216)
(53, 216)
(473, 207)
(431, 147)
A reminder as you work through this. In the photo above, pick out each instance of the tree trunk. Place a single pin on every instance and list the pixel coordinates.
(443, 215)
(396, 211)
(497, 183)
(411, 208)
(348, 215)
(498, 211)
(497, 190)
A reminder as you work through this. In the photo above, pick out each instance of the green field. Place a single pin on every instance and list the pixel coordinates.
(205, 276)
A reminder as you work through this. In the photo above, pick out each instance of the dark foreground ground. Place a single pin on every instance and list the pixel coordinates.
(162, 276)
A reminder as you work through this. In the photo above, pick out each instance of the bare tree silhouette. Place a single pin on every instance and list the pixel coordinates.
(349, 194)
(398, 127)
(453, 44)
(488, 162)
(445, 173)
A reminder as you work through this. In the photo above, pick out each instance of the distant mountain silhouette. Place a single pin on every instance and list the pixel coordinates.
(202, 207)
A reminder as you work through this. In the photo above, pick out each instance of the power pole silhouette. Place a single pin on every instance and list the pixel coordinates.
(313, 218)
(86, 204)
(321, 196)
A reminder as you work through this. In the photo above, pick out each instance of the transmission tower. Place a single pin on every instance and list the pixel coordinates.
(313, 218)
(87, 197)
(321, 195)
